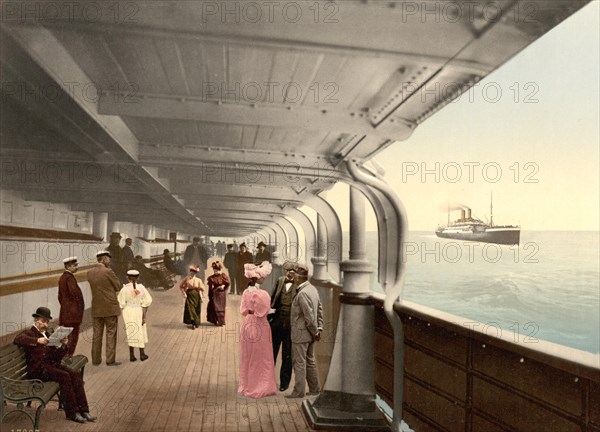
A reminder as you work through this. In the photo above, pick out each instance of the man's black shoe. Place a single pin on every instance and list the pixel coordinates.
(282, 388)
(113, 364)
(78, 418)
(88, 417)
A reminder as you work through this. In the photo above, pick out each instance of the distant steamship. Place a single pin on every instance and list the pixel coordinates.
(472, 229)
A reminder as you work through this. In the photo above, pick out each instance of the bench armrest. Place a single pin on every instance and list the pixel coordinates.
(18, 391)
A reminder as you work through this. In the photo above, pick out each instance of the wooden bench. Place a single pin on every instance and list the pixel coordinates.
(15, 388)
(157, 264)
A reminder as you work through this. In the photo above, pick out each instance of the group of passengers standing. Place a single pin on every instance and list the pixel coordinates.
(109, 300)
(193, 288)
(291, 318)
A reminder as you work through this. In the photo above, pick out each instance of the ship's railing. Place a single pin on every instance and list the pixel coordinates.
(460, 375)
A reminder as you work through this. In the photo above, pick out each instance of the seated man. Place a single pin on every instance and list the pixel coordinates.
(169, 263)
(150, 277)
(44, 363)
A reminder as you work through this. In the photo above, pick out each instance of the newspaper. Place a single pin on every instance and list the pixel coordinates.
(59, 334)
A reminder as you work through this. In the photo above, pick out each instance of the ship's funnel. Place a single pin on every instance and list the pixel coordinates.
(462, 214)
(468, 213)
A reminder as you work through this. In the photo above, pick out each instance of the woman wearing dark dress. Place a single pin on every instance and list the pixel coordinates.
(192, 287)
(217, 295)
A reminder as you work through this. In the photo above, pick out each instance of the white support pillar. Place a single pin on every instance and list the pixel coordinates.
(149, 232)
(348, 399)
(319, 260)
(100, 225)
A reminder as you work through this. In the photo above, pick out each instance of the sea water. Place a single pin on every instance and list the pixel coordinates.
(547, 288)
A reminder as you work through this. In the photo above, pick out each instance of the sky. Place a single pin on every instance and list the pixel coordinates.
(532, 141)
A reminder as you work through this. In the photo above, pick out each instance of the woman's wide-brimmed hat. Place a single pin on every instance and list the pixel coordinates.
(217, 265)
(261, 244)
(133, 273)
(260, 271)
(42, 312)
(194, 268)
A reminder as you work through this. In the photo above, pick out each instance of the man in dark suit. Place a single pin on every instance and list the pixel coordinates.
(105, 309)
(117, 262)
(195, 254)
(71, 302)
(243, 257)
(128, 255)
(230, 262)
(262, 254)
(281, 300)
(44, 363)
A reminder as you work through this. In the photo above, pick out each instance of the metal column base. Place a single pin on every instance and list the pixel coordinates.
(325, 412)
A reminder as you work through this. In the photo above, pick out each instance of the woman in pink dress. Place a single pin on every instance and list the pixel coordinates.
(257, 368)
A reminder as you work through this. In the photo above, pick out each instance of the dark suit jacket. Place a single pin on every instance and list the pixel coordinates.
(127, 254)
(70, 298)
(230, 262)
(189, 253)
(262, 256)
(279, 287)
(104, 285)
(39, 357)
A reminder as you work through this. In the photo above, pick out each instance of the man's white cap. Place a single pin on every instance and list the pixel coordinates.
(70, 260)
(102, 253)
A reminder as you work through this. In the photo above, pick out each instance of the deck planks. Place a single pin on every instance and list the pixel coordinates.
(189, 383)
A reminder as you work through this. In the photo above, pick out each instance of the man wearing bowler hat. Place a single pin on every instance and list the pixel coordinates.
(104, 285)
(306, 322)
(262, 254)
(44, 363)
(71, 302)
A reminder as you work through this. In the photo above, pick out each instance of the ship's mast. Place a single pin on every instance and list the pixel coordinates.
(491, 210)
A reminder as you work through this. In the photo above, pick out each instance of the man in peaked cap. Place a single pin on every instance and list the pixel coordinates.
(306, 321)
(104, 285)
(71, 302)
(44, 363)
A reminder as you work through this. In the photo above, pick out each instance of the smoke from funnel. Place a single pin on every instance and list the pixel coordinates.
(456, 206)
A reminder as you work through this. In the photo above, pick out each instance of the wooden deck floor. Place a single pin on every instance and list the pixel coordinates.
(189, 383)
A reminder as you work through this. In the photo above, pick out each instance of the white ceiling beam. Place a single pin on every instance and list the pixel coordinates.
(277, 116)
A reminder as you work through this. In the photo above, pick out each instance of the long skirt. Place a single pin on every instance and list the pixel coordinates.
(257, 367)
(215, 311)
(191, 311)
(137, 333)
